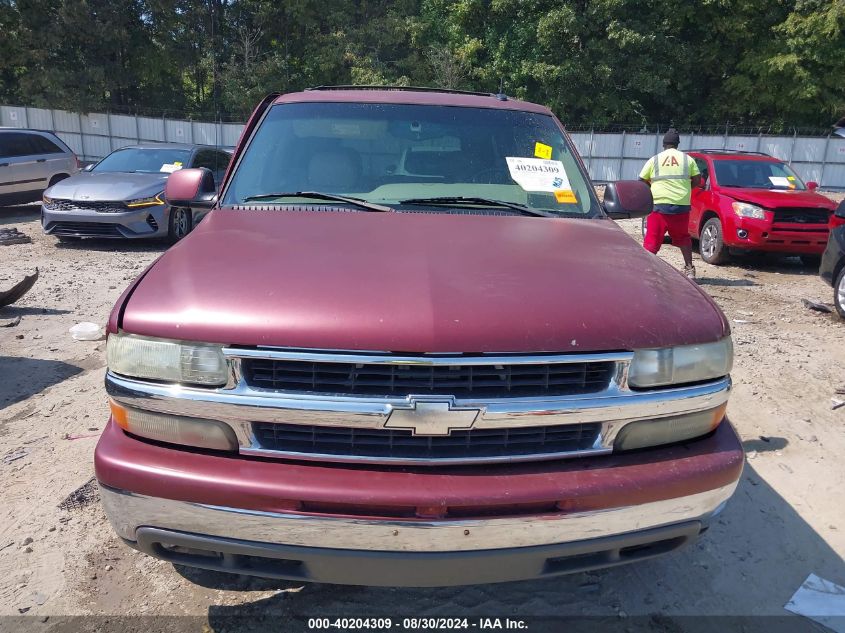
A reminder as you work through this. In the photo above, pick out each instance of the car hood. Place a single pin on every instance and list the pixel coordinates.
(417, 282)
(773, 199)
(107, 185)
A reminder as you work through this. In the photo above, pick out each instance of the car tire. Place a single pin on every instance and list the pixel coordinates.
(180, 222)
(711, 245)
(839, 293)
(811, 261)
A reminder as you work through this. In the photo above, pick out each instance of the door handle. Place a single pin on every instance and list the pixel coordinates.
(41, 160)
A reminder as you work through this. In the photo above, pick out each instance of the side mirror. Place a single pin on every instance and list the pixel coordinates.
(89, 167)
(192, 188)
(840, 210)
(812, 185)
(628, 199)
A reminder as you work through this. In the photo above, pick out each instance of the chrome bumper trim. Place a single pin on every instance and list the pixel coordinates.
(128, 511)
(241, 406)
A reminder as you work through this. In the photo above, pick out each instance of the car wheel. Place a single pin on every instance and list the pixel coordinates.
(179, 225)
(839, 293)
(811, 261)
(711, 245)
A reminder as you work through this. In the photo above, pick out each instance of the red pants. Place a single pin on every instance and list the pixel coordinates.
(657, 224)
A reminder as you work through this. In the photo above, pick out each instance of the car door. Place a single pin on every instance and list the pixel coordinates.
(700, 198)
(56, 160)
(26, 171)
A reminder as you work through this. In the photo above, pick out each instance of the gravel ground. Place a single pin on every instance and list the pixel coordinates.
(784, 523)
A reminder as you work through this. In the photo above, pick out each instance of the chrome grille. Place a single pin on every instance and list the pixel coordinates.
(87, 205)
(801, 215)
(401, 444)
(83, 229)
(462, 381)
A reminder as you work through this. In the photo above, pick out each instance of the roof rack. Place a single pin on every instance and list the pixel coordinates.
(728, 151)
(405, 88)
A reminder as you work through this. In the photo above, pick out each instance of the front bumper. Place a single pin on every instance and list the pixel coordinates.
(146, 222)
(764, 235)
(346, 524)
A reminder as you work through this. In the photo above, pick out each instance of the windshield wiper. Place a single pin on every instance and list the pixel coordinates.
(316, 195)
(477, 202)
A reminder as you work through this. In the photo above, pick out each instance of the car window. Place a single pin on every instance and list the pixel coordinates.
(386, 153)
(704, 168)
(206, 158)
(756, 174)
(17, 144)
(149, 160)
(43, 145)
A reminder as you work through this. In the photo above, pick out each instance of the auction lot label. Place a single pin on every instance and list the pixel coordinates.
(417, 624)
(536, 174)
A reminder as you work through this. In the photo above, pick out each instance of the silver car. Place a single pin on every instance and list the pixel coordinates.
(122, 195)
(31, 161)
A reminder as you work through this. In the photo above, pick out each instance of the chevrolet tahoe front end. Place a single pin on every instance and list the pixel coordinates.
(363, 391)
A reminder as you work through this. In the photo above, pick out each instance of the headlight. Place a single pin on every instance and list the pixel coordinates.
(678, 365)
(175, 429)
(151, 201)
(745, 210)
(46, 200)
(676, 428)
(172, 361)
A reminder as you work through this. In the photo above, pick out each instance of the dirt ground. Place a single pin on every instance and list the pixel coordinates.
(785, 521)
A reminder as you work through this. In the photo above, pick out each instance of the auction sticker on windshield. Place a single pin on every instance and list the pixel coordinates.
(536, 174)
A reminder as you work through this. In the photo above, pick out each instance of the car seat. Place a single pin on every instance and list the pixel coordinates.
(338, 170)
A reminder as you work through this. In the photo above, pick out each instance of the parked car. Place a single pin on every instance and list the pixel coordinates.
(121, 195)
(31, 161)
(832, 268)
(395, 354)
(754, 202)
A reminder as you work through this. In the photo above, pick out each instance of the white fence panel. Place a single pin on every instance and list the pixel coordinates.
(39, 118)
(123, 126)
(607, 145)
(206, 133)
(150, 129)
(11, 116)
(117, 142)
(778, 146)
(73, 141)
(66, 121)
(94, 147)
(95, 124)
(808, 150)
(178, 132)
(231, 134)
(640, 145)
(836, 151)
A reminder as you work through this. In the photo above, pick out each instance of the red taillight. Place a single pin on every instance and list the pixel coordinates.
(78, 164)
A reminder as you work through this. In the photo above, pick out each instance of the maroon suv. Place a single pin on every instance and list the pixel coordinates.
(410, 347)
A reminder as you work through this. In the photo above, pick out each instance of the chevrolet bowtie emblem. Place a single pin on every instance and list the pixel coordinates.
(431, 418)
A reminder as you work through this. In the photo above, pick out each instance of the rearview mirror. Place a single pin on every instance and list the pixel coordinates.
(840, 210)
(628, 199)
(812, 185)
(192, 188)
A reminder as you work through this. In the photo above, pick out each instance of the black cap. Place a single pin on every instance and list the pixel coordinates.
(672, 137)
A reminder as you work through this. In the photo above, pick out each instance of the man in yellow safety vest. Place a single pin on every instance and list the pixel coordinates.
(671, 175)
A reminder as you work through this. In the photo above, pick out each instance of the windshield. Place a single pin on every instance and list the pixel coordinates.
(390, 153)
(756, 175)
(151, 160)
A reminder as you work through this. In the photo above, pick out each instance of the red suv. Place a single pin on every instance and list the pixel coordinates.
(753, 202)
